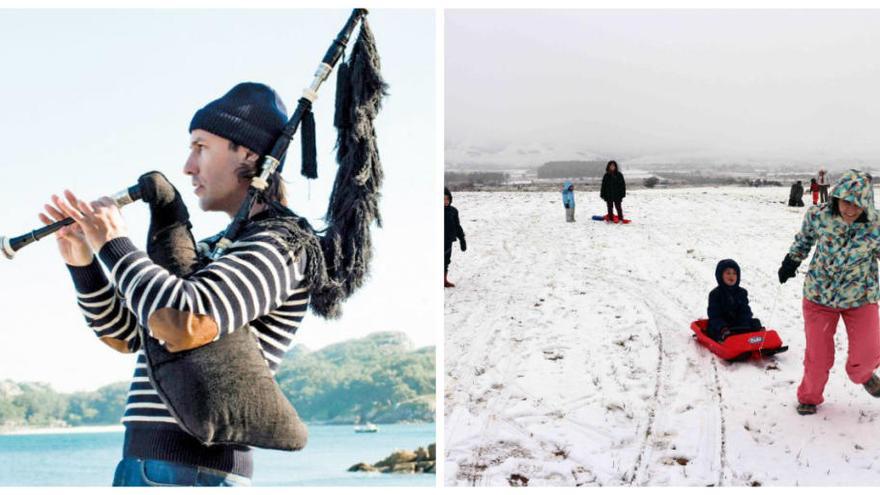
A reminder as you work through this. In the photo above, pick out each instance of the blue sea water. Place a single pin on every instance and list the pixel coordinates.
(88, 459)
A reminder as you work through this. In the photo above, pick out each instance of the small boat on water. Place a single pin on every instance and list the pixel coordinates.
(366, 428)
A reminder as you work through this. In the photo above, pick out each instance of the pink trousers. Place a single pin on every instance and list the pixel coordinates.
(863, 354)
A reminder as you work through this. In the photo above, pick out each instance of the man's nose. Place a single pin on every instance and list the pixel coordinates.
(189, 167)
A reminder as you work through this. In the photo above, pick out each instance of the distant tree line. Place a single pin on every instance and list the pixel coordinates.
(571, 169)
(378, 378)
(456, 179)
(36, 404)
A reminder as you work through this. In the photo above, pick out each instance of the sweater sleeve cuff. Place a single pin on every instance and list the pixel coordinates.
(89, 278)
(114, 250)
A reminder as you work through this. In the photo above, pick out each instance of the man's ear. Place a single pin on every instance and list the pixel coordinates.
(250, 157)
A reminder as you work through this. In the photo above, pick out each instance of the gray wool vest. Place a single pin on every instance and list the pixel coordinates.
(213, 397)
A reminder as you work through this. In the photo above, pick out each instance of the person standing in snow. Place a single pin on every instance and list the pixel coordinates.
(729, 312)
(795, 196)
(451, 231)
(823, 185)
(814, 191)
(568, 200)
(613, 190)
(841, 282)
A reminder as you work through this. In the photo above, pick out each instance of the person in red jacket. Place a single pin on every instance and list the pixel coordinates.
(814, 190)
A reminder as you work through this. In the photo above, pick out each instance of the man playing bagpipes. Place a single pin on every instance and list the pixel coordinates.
(210, 330)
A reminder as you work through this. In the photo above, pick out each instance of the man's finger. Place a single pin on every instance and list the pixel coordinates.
(54, 213)
(67, 210)
(87, 210)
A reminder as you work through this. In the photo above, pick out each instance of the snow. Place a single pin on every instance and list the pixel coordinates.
(569, 358)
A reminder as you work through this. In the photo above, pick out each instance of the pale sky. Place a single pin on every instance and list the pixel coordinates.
(761, 84)
(92, 99)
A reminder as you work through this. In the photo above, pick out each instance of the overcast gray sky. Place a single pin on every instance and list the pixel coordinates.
(720, 85)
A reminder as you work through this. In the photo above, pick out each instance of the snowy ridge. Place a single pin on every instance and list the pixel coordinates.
(570, 361)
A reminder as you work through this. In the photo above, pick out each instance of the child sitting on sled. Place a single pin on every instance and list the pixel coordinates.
(729, 311)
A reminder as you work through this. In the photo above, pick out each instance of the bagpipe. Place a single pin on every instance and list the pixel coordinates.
(195, 385)
(11, 246)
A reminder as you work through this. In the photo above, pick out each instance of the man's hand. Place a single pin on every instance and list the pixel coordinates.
(71, 240)
(100, 221)
(462, 244)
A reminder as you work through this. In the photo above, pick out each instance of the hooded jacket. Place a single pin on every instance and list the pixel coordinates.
(451, 225)
(567, 195)
(613, 185)
(728, 304)
(843, 271)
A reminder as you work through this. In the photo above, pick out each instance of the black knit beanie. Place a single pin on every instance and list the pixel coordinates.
(250, 114)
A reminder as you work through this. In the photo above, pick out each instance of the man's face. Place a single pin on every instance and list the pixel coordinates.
(213, 166)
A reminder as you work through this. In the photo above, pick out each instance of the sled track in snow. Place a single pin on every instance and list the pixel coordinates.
(722, 460)
(639, 475)
(652, 413)
(635, 475)
(718, 391)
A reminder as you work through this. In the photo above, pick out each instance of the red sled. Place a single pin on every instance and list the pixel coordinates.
(742, 346)
(614, 218)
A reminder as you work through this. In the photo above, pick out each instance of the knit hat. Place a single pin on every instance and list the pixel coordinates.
(250, 114)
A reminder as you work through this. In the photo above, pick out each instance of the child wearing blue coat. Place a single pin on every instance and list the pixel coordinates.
(568, 200)
(729, 311)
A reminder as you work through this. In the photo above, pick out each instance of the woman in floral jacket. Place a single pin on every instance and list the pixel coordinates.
(841, 282)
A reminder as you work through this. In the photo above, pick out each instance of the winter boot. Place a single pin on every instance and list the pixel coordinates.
(873, 385)
(806, 409)
(446, 283)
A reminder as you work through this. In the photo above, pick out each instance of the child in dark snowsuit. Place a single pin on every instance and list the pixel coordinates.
(451, 231)
(729, 311)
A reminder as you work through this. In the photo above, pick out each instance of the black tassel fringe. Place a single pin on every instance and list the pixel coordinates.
(354, 202)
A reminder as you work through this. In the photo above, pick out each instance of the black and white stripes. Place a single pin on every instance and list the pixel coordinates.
(107, 315)
(257, 281)
(252, 279)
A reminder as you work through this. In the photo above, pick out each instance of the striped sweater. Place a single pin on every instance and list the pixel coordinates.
(257, 281)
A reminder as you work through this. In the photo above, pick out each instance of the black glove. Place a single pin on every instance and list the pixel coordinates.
(169, 241)
(788, 269)
(166, 205)
(462, 243)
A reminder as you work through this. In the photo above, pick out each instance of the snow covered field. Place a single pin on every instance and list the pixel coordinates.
(569, 358)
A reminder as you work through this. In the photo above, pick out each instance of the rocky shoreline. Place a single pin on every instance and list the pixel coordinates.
(421, 460)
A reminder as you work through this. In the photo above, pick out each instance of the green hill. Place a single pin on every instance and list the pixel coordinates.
(379, 378)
